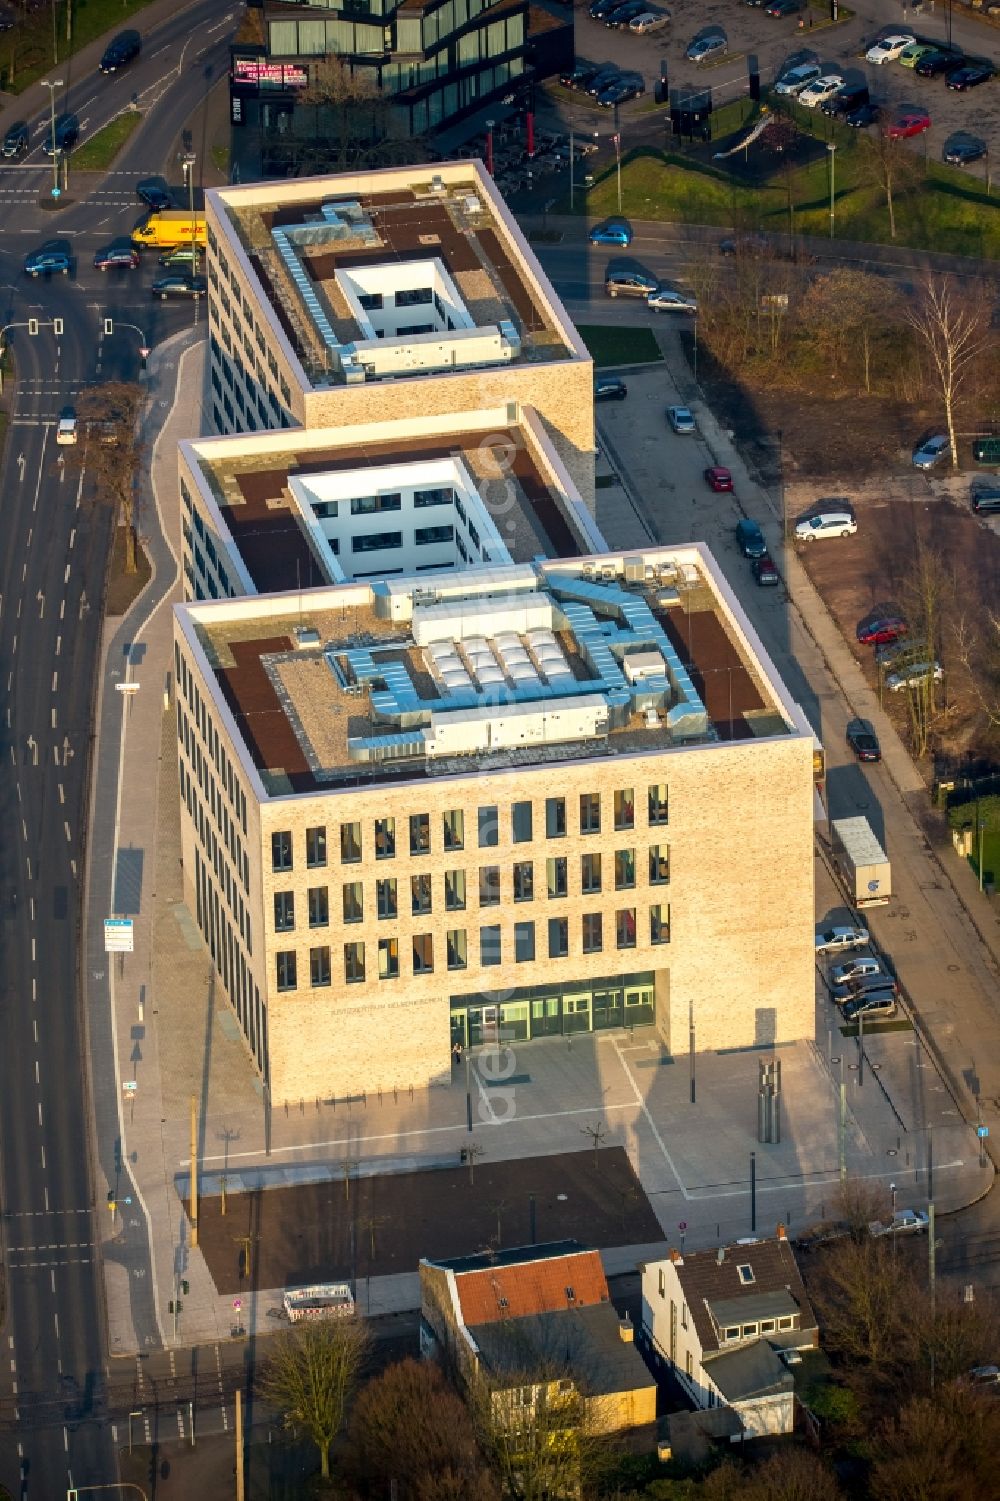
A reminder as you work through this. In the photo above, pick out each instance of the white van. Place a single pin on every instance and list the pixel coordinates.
(834, 520)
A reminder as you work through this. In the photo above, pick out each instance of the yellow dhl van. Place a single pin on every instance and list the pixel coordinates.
(172, 227)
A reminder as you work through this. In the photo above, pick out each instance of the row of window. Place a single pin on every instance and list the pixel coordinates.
(213, 849)
(218, 265)
(487, 825)
(454, 886)
(231, 964)
(421, 947)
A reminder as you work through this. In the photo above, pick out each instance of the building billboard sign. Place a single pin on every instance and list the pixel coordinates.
(256, 72)
(118, 935)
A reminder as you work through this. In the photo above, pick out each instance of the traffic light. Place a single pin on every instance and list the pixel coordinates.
(57, 326)
(109, 327)
(32, 326)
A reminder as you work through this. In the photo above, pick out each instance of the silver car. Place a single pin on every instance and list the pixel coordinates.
(930, 453)
(840, 937)
(853, 969)
(913, 675)
(666, 300)
(705, 47)
(681, 419)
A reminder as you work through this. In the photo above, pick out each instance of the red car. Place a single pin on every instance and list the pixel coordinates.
(718, 479)
(880, 627)
(911, 123)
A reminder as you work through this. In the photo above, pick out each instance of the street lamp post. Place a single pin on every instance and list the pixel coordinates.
(52, 85)
(188, 165)
(831, 146)
(982, 826)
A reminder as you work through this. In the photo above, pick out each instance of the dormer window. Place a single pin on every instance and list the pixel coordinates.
(746, 1275)
(570, 1295)
(502, 1303)
(733, 1333)
(749, 1331)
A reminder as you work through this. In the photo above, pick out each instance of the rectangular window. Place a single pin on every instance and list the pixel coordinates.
(423, 953)
(319, 966)
(284, 962)
(555, 818)
(454, 830)
(420, 833)
(319, 907)
(354, 901)
(558, 937)
(555, 874)
(688, 1364)
(414, 296)
(624, 869)
(520, 823)
(426, 536)
(369, 505)
(350, 843)
(590, 873)
(659, 864)
(438, 497)
(354, 963)
(376, 542)
(659, 923)
(658, 805)
(284, 911)
(281, 851)
(316, 847)
(458, 949)
(489, 885)
(388, 958)
(385, 838)
(684, 1315)
(489, 827)
(524, 881)
(454, 890)
(524, 942)
(593, 940)
(625, 808)
(420, 894)
(625, 928)
(385, 897)
(489, 946)
(590, 812)
(661, 1280)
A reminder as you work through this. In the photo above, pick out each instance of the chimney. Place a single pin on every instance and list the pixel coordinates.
(626, 1331)
(782, 1232)
(676, 1257)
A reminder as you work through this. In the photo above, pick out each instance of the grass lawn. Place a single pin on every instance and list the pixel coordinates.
(26, 52)
(620, 346)
(98, 151)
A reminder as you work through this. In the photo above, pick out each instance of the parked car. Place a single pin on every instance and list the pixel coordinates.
(62, 137)
(580, 76)
(183, 255)
(757, 245)
(914, 675)
(623, 13)
(795, 80)
(16, 141)
(862, 739)
(667, 300)
(906, 649)
(116, 255)
(860, 964)
(859, 985)
(820, 90)
(984, 496)
(940, 61)
(610, 388)
(984, 1375)
(648, 21)
(969, 77)
(612, 232)
(629, 284)
(120, 51)
(618, 92)
(877, 1005)
(606, 74)
(888, 48)
(864, 115)
(765, 572)
(849, 96)
(931, 451)
(880, 625)
(750, 539)
(836, 520)
(66, 428)
(963, 150)
(681, 419)
(909, 122)
(179, 285)
(702, 49)
(784, 7)
(840, 937)
(47, 262)
(911, 55)
(154, 194)
(908, 1222)
(718, 479)
(601, 8)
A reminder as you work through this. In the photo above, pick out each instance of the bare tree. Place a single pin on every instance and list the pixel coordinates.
(112, 450)
(312, 1375)
(844, 311)
(954, 330)
(859, 1202)
(864, 1300)
(890, 168)
(928, 593)
(943, 1447)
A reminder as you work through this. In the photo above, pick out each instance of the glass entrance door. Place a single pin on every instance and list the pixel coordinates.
(576, 1013)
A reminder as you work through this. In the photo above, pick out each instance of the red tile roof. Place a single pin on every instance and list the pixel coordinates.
(510, 1292)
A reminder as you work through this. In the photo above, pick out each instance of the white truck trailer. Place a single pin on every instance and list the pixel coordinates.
(861, 861)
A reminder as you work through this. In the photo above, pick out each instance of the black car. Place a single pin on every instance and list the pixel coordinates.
(601, 8)
(179, 286)
(623, 13)
(619, 91)
(63, 137)
(864, 116)
(16, 141)
(610, 388)
(862, 739)
(154, 194)
(765, 572)
(750, 539)
(934, 63)
(121, 50)
(784, 7)
(850, 97)
(969, 77)
(965, 150)
(579, 78)
(604, 76)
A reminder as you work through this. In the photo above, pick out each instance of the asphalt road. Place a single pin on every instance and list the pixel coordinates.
(57, 1394)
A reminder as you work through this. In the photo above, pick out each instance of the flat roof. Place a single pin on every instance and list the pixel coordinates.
(327, 254)
(256, 486)
(399, 679)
